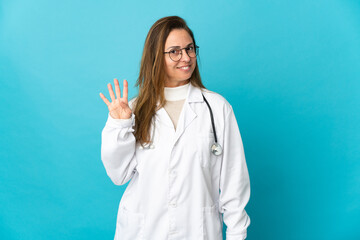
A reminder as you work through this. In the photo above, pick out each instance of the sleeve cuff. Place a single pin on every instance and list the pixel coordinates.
(120, 123)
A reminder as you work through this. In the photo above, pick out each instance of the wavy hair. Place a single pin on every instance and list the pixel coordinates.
(151, 80)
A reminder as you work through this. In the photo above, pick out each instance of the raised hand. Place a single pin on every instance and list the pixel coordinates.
(119, 107)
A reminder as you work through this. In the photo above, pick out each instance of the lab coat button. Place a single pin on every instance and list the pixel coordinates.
(173, 204)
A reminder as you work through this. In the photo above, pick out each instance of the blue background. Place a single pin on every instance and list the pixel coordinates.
(290, 69)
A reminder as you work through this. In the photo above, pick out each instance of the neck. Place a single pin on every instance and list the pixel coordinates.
(176, 84)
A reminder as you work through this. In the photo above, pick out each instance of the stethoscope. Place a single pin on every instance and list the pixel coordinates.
(216, 148)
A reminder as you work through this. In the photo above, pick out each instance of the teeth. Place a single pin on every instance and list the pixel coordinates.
(185, 67)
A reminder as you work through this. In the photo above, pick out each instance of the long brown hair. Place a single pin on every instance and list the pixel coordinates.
(151, 80)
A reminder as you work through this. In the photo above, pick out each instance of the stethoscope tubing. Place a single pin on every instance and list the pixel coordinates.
(212, 117)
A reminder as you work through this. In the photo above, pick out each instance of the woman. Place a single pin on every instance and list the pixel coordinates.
(162, 141)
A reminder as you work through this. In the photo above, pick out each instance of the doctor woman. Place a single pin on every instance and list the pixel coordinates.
(179, 145)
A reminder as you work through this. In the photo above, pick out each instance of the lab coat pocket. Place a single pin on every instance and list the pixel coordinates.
(204, 154)
(129, 225)
(212, 225)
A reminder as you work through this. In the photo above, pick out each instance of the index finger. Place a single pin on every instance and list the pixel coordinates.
(125, 90)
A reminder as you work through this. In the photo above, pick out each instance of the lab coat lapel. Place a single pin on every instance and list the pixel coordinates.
(188, 114)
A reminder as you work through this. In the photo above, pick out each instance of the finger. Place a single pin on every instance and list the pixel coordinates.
(104, 99)
(125, 91)
(112, 96)
(117, 88)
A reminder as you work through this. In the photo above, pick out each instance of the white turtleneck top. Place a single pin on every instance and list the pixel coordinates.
(175, 98)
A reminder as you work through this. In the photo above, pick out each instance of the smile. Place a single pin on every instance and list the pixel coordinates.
(185, 67)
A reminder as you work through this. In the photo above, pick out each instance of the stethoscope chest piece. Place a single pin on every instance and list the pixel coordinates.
(216, 149)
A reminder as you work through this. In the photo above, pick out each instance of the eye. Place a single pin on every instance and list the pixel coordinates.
(190, 48)
(174, 51)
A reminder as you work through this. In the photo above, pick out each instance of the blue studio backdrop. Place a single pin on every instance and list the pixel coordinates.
(290, 69)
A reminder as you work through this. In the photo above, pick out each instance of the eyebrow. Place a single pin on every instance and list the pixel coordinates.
(179, 46)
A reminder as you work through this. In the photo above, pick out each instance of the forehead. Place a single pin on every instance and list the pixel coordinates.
(178, 37)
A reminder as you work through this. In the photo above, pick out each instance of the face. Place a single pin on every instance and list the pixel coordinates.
(178, 73)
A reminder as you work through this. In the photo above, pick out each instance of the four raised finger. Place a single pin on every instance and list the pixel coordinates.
(104, 99)
(112, 96)
(125, 90)
(117, 88)
(117, 91)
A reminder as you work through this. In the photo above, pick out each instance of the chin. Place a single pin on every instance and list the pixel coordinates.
(186, 76)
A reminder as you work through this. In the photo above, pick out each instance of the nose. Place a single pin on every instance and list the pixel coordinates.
(184, 56)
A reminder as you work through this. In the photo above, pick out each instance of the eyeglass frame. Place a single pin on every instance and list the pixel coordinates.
(196, 52)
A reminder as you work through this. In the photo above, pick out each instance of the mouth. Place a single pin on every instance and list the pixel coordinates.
(186, 67)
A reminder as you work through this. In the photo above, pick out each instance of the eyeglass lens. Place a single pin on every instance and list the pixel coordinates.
(176, 54)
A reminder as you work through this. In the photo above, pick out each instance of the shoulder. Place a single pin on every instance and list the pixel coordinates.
(132, 103)
(217, 100)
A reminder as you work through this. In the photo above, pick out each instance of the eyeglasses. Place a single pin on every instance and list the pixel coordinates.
(176, 54)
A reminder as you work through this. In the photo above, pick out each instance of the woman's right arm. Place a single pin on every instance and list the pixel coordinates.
(117, 139)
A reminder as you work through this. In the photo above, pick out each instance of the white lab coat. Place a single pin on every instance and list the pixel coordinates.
(179, 189)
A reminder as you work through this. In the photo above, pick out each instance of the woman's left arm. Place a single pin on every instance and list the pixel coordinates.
(234, 181)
